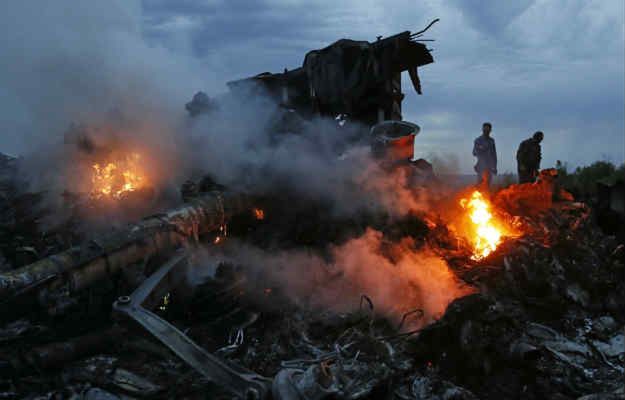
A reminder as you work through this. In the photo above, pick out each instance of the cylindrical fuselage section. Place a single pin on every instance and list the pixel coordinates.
(83, 265)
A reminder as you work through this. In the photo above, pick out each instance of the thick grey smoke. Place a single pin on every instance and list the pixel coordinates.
(70, 62)
(67, 62)
(87, 63)
(240, 145)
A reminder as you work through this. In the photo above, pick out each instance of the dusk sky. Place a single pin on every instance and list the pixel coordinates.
(555, 66)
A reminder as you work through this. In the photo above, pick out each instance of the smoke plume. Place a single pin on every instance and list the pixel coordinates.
(68, 63)
(72, 68)
(397, 277)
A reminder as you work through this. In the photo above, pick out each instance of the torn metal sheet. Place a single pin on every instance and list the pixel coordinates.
(235, 379)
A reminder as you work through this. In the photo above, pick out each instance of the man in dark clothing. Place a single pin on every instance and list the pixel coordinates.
(528, 158)
(484, 150)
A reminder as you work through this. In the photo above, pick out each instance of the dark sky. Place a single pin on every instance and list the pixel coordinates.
(555, 66)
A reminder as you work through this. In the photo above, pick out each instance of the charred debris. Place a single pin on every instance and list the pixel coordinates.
(114, 316)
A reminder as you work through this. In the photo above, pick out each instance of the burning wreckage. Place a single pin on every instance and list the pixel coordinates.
(517, 294)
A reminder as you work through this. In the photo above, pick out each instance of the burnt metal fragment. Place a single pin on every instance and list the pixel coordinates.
(84, 265)
(235, 379)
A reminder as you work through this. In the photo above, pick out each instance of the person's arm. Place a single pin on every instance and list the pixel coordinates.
(534, 157)
(475, 148)
(494, 157)
(524, 154)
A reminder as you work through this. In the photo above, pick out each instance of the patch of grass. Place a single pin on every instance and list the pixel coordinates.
(582, 182)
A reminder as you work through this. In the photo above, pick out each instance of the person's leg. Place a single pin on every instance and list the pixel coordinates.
(522, 175)
(483, 180)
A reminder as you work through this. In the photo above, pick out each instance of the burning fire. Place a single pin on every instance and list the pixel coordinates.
(114, 179)
(259, 214)
(486, 236)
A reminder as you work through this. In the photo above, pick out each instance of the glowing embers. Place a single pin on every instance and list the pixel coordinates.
(485, 235)
(115, 179)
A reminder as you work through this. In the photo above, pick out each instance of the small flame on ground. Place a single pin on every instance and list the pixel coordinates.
(259, 214)
(486, 235)
(165, 302)
(117, 178)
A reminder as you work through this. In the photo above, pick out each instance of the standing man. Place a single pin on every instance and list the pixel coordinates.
(528, 158)
(484, 150)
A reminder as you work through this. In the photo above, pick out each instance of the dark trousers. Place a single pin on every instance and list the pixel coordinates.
(526, 175)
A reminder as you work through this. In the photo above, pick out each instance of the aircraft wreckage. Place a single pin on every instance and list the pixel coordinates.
(537, 310)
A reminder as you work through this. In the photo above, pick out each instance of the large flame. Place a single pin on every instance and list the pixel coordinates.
(485, 236)
(114, 179)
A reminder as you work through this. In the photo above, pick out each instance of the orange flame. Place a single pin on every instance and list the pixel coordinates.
(259, 214)
(486, 236)
(117, 178)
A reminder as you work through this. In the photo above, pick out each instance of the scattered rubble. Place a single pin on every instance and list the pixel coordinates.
(547, 322)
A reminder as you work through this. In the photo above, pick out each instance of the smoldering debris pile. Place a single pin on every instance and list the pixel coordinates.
(119, 317)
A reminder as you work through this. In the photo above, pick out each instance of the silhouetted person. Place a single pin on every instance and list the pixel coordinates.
(484, 150)
(528, 158)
